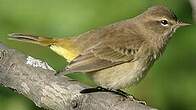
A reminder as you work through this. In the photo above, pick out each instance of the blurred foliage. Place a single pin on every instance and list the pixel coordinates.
(169, 84)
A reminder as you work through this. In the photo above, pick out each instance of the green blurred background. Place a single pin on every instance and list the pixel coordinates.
(170, 84)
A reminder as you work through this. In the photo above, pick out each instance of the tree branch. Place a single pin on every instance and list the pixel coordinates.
(37, 82)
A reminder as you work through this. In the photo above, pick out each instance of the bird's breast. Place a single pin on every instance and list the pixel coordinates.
(122, 75)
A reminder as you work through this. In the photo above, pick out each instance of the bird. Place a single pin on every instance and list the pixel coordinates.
(117, 55)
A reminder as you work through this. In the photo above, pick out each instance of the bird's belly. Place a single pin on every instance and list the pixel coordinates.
(120, 76)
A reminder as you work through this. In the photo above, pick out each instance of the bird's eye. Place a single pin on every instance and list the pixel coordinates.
(164, 22)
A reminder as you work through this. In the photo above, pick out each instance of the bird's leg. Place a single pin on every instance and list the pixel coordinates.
(60, 72)
(57, 73)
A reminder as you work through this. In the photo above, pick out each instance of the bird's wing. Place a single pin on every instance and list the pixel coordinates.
(104, 55)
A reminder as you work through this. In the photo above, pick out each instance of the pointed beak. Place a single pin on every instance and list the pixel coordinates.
(180, 23)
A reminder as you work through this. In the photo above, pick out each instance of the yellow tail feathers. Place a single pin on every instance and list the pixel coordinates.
(63, 47)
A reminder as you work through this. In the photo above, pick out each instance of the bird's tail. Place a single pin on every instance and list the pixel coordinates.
(64, 47)
(43, 41)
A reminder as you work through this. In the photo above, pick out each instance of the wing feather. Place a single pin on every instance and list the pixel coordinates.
(98, 58)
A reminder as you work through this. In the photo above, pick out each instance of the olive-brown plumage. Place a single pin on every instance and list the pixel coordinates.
(117, 55)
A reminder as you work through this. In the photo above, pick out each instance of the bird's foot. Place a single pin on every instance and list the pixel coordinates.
(137, 100)
(118, 92)
(102, 89)
(96, 89)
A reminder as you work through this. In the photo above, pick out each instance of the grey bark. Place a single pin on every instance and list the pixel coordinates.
(39, 84)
